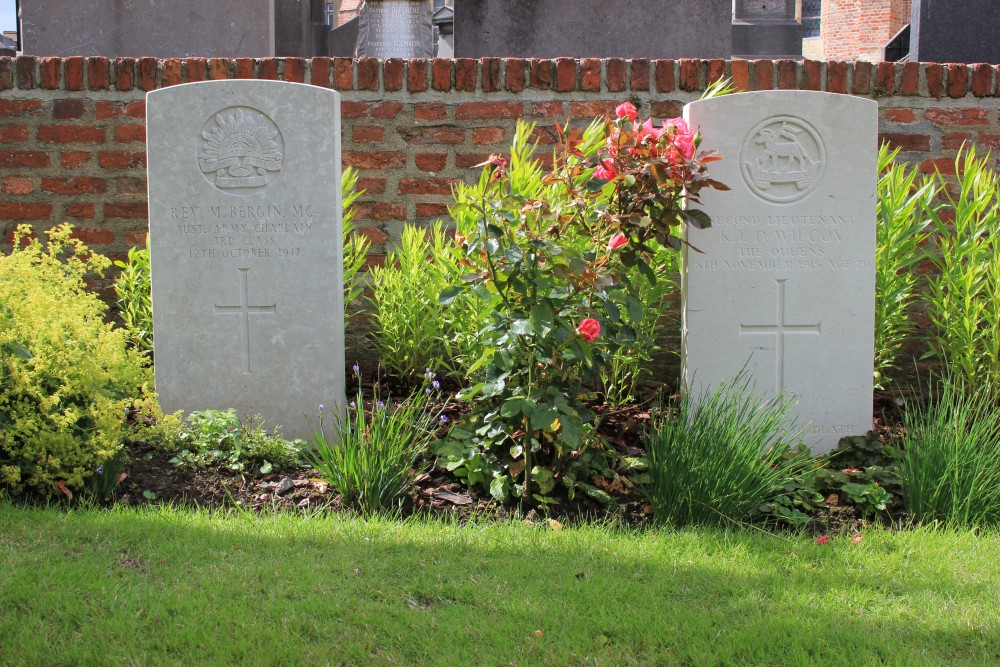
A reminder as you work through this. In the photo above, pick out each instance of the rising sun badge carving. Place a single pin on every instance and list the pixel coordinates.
(240, 147)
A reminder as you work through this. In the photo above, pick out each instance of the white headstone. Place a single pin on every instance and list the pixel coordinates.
(786, 284)
(246, 249)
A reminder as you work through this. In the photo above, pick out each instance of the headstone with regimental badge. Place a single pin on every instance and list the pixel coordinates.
(784, 283)
(246, 249)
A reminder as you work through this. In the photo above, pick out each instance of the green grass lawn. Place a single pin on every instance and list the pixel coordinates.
(176, 587)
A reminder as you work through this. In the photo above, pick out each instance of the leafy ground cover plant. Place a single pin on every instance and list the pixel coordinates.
(716, 458)
(66, 376)
(220, 438)
(371, 457)
(950, 467)
(962, 296)
(550, 254)
(901, 230)
(862, 473)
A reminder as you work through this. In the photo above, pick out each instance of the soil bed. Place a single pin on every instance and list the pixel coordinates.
(152, 479)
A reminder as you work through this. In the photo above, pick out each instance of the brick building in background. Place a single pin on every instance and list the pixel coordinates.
(853, 29)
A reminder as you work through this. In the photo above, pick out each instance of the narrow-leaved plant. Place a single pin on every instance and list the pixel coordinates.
(901, 231)
(372, 457)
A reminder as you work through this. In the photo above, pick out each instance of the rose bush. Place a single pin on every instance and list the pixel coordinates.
(551, 253)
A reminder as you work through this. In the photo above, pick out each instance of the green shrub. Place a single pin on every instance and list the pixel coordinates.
(963, 302)
(133, 288)
(371, 457)
(355, 245)
(66, 376)
(551, 254)
(413, 330)
(631, 363)
(718, 458)
(951, 456)
(900, 234)
(220, 438)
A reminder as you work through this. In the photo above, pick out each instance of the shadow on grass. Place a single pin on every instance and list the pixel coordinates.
(175, 587)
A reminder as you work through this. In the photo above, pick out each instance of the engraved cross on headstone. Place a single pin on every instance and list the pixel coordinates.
(780, 329)
(245, 310)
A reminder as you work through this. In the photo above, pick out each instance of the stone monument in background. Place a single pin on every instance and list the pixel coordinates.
(593, 28)
(395, 29)
(246, 249)
(766, 29)
(784, 284)
(955, 31)
(134, 28)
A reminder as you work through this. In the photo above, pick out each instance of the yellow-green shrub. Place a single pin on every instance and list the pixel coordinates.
(66, 376)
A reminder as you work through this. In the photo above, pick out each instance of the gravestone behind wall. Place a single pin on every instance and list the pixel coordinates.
(786, 284)
(593, 28)
(766, 29)
(246, 249)
(955, 31)
(225, 28)
(395, 29)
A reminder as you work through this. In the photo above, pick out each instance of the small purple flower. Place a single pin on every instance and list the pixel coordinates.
(322, 407)
(100, 471)
(444, 419)
(380, 404)
(427, 391)
(357, 369)
(436, 384)
(352, 404)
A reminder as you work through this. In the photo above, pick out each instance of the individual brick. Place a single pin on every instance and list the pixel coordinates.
(124, 73)
(639, 74)
(392, 74)
(98, 73)
(614, 72)
(441, 70)
(590, 75)
(465, 74)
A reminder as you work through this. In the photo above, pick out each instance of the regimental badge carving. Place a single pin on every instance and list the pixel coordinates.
(240, 150)
(783, 159)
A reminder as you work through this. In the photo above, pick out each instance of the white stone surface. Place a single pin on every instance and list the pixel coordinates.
(786, 284)
(246, 249)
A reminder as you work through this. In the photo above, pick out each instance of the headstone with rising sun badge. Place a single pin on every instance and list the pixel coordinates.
(784, 283)
(246, 249)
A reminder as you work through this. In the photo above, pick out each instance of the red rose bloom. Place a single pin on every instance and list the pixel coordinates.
(589, 329)
(606, 170)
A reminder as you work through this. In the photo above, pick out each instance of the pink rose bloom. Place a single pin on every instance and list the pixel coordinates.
(857, 539)
(617, 241)
(647, 130)
(589, 329)
(685, 144)
(626, 110)
(680, 125)
(606, 170)
(823, 540)
(683, 137)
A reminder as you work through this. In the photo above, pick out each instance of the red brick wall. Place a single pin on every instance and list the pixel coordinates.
(860, 29)
(72, 129)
